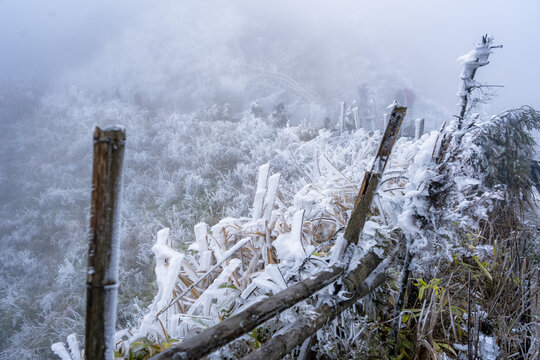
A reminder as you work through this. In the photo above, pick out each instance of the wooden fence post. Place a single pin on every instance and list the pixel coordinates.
(372, 177)
(103, 253)
(357, 119)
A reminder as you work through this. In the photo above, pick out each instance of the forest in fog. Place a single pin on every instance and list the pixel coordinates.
(217, 98)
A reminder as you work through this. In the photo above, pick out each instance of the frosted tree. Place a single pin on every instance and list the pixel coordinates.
(471, 62)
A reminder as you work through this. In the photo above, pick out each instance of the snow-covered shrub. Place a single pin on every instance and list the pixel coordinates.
(472, 209)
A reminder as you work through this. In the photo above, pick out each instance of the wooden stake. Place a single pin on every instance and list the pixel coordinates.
(306, 353)
(342, 117)
(103, 253)
(372, 177)
(357, 119)
(401, 296)
(469, 331)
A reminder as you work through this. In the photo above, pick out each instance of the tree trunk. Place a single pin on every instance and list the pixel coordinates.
(471, 62)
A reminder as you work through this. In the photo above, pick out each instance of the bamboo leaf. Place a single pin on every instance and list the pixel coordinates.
(421, 293)
(449, 348)
(227, 285)
(482, 267)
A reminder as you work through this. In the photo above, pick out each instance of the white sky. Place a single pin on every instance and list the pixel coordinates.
(420, 39)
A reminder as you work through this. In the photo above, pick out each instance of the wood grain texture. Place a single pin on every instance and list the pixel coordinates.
(103, 253)
(373, 176)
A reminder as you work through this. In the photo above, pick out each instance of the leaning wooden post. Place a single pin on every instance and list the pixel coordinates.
(372, 177)
(103, 253)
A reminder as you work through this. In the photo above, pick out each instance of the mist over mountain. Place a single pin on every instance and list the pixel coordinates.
(207, 50)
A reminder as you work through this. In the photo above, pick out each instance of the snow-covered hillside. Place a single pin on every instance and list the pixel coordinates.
(439, 201)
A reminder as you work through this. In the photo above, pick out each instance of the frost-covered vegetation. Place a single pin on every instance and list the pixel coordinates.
(180, 169)
(469, 233)
(459, 201)
(194, 145)
(242, 171)
(470, 244)
(457, 206)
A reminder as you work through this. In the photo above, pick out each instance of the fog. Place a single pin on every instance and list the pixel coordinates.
(164, 69)
(101, 45)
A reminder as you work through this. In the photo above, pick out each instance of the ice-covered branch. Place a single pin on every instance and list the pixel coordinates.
(471, 62)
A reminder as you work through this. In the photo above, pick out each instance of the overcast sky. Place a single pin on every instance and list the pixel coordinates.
(61, 39)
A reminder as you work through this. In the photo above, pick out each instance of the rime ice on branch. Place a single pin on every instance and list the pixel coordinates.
(471, 62)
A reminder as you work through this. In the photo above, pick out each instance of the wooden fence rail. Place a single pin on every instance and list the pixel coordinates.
(354, 282)
(282, 344)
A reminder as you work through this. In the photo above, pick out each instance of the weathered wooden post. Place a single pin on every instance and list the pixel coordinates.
(418, 128)
(373, 177)
(103, 253)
